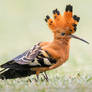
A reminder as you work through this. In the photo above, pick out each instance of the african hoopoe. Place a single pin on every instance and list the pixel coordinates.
(46, 56)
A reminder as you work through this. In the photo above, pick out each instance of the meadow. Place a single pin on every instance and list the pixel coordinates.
(22, 25)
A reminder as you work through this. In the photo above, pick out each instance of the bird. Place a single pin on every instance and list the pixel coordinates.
(45, 56)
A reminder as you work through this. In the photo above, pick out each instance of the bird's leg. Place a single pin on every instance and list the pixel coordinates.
(42, 69)
(37, 75)
(45, 76)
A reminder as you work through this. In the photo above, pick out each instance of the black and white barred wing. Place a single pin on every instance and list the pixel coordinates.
(36, 57)
(24, 59)
(28, 56)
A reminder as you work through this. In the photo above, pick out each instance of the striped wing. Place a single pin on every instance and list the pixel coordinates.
(28, 56)
(36, 57)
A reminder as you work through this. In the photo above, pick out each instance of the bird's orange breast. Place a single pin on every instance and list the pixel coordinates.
(57, 49)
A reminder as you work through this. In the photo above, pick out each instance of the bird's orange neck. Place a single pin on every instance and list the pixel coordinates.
(57, 48)
(61, 41)
(62, 47)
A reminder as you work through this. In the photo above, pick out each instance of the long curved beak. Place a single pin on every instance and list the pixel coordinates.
(73, 36)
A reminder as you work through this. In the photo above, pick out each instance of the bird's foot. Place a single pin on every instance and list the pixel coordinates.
(45, 76)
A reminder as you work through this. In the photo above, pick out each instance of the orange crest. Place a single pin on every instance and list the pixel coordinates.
(66, 23)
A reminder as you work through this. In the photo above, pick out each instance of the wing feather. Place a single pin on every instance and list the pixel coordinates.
(35, 57)
(28, 56)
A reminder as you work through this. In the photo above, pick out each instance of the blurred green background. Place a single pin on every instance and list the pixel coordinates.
(22, 25)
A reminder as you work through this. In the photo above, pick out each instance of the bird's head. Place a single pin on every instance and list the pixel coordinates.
(63, 26)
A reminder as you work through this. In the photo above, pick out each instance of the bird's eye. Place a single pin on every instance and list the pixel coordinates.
(62, 34)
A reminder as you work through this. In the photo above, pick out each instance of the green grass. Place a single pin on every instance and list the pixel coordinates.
(58, 81)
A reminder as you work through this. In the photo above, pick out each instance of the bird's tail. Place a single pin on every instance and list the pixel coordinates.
(9, 71)
(12, 74)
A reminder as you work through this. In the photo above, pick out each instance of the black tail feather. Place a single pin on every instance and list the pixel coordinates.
(12, 74)
(12, 70)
